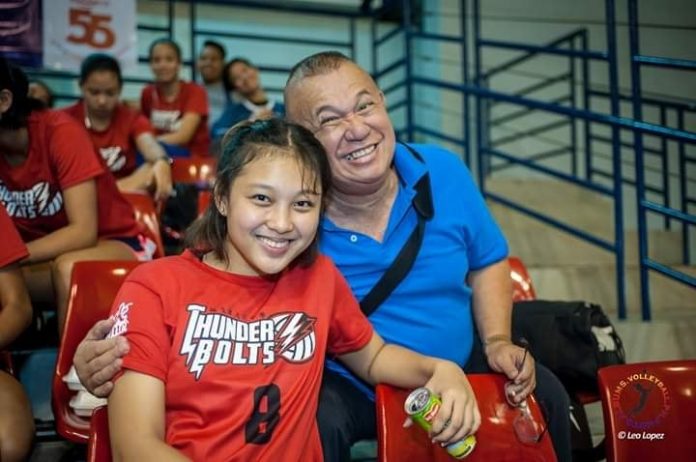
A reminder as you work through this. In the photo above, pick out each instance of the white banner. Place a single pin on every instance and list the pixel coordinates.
(74, 29)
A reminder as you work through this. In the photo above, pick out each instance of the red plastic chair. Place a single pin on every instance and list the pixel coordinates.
(649, 400)
(496, 438)
(522, 288)
(146, 213)
(99, 445)
(93, 287)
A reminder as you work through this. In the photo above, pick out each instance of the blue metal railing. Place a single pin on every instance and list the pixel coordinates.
(644, 205)
(487, 150)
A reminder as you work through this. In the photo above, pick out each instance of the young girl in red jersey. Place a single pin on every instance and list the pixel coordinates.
(177, 109)
(61, 199)
(16, 421)
(228, 340)
(117, 131)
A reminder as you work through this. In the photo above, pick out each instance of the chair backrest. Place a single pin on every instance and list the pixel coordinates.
(93, 287)
(522, 288)
(496, 438)
(194, 170)
(648, 410)
(146, 213)
(99, 445)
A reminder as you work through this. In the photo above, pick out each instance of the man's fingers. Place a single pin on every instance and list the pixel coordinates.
(100, 330)
(99, 383)
(104, 390)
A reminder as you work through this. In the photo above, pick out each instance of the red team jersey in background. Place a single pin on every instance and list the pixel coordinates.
(241, 357)
(116, 144)
(166, 116)
(12, 248)
(60, 155)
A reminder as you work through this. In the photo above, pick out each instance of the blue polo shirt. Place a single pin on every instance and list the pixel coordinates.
(430, 310)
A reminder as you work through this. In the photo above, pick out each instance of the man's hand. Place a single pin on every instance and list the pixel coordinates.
(97, 359)
(511, 360)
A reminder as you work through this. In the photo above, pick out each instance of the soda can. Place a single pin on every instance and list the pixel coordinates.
(422, 406)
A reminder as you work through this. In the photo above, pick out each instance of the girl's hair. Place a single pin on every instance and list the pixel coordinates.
(12, 78)
(51, 99)
(100, 62)
(242, 144)
(229, 85)
(164, 41)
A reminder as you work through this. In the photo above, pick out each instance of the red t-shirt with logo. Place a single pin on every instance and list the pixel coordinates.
(116, 144)
(241, 357)
(60, 155)
(166, 116)
(12, 249)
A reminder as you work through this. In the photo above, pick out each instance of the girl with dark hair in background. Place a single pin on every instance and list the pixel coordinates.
(242, 77)
(61, 198)
(118, 132)
(177, 109)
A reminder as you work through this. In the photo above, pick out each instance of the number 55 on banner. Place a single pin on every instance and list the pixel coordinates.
(74, 29)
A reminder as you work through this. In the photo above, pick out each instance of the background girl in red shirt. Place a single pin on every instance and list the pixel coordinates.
(16, 421)
(61, 198)
(119, 132)
(177, 109)
(228, 341)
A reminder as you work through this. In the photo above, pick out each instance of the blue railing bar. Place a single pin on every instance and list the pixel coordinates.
(522, 112)
(440, 135)
(533, 158)
(665, 168)
(466, 103)
(144, 27)
(391, 88)
(396, 64)
(192, 35)
(651, 101)
(668, 211)
(626, 144)
(440, 37)
(628, 181)
(621, 122)
(552, 221)
(395, 31)
(541, 85)
(612, 64)
(634, 44)
(539, 49)
(526, 56)
(397, 105)
(353, 35)
(670, 63)
(551, 172)
(573, 103)
(672, 273)
(683, 193)
(586, 104)
(478, 102)
(530, 133)
(291, 7)
(270, 38)
(408, 70)
(72, 76)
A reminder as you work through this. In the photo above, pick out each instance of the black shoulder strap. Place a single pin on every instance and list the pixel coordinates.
(403, 262)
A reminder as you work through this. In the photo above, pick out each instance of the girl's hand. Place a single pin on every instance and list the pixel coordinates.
(459, 415)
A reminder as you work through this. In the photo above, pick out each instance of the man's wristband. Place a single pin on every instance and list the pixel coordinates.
(496, 338)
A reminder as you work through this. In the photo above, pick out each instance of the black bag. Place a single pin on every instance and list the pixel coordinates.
(573, 339)
(179, 212)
